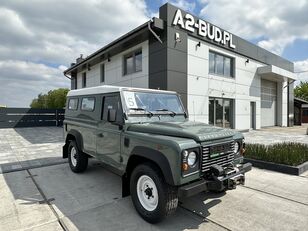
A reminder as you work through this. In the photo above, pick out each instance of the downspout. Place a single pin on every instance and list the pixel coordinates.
(153, 32)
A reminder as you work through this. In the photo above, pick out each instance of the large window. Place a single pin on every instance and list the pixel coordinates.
(112, 102)
(84, 79)
(221, 65)
(133, 62)
(221, 112)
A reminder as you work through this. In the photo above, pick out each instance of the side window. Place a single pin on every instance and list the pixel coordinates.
(112, 102)
(73, 104)
(88, 104)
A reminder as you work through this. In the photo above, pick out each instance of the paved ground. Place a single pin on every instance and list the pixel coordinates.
(54, 198)
(278, 135)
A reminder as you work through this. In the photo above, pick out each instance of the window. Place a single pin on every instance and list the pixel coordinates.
(221, 65)
(73, 104)
(221, 112)
(112, 102)
(133, 62)
(102, 73)
(305, 112)
(84, 79)
(88, 104)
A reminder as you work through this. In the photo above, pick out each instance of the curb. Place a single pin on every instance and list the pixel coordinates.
(292, 170)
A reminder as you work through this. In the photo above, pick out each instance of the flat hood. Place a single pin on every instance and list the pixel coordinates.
(188, 129)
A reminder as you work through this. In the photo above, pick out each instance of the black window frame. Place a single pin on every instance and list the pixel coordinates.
(121, 121)
(87, 97)
(84, 80)
(102, 72)
(132, 54)
(232, 64)
(68, 104)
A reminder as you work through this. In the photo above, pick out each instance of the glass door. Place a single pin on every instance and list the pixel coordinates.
(221, 112)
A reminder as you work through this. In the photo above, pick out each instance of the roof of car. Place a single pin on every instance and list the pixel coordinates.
(109, 89)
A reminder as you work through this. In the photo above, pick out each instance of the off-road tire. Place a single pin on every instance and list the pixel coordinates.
(167, 194)
(81, 158)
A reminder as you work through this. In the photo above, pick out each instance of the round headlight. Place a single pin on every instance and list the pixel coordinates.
(236, 147)
(192, 159)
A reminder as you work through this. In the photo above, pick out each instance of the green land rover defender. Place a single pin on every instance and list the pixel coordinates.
(145, 136)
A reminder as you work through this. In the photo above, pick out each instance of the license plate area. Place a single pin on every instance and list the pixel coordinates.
(218, 150)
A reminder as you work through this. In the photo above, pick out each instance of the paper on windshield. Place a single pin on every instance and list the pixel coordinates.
(130, 99)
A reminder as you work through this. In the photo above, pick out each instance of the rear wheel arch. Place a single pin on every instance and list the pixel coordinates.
(72, 135)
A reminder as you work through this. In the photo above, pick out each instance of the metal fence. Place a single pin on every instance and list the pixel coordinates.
(30, 117)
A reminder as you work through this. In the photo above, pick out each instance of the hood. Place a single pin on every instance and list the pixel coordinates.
(187, 129)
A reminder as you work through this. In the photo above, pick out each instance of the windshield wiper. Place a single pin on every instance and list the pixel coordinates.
(167, 110)
(141, 109)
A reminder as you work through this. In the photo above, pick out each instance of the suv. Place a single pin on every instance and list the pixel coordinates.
(145, 137)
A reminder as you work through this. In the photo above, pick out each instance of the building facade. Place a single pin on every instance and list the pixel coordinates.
(222, 79)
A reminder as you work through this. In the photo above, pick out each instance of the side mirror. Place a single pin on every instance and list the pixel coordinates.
(112, 115)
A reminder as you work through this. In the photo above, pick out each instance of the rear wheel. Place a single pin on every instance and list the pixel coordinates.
(78, 161)
(152, 197)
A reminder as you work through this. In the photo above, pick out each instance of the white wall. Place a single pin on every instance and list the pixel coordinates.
(244, 88)
(114, 71)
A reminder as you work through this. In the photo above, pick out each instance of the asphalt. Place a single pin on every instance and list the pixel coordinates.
(51, 197)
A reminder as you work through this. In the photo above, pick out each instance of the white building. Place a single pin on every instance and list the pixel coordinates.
(222, 79)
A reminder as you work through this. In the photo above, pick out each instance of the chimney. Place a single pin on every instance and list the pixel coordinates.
(80, 59)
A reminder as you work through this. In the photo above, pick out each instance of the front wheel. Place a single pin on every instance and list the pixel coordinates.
(152, 197)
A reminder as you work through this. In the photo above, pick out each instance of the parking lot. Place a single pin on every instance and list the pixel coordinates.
(39, 192)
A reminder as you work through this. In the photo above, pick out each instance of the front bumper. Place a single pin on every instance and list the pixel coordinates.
(227, 181)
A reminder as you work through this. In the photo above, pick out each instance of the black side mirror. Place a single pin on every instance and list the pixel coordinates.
(112, 115)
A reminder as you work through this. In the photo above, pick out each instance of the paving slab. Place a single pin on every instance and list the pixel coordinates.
(120, 215)
(284, 185)
(20, 206)
(246, 209)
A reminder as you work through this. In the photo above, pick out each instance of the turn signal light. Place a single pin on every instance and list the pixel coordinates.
(185, 166)
(242, 151)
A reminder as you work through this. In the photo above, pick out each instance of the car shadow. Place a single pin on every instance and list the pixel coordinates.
(92, 200)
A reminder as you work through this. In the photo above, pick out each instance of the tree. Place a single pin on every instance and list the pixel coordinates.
(301, 91)
(53, 99)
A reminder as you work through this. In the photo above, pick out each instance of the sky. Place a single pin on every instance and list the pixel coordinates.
(39, 39)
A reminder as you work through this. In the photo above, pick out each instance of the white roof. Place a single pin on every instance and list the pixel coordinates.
(108, 89)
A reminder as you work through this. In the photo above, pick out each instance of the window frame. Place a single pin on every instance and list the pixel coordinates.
(84, 79)
(68, 104)
(133, 55)
(232, 64)
(87, 97)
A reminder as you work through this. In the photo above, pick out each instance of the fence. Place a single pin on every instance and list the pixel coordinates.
(30, 117)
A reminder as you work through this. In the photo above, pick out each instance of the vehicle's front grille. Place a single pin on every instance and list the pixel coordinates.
(224, 158)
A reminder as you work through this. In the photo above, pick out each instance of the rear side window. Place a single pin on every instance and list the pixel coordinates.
(112, 102)
(73, 104)
(88, 104)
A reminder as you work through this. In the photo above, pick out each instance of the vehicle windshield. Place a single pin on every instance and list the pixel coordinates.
(138, 102)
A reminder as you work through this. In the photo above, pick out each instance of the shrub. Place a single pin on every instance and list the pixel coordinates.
(283, 153)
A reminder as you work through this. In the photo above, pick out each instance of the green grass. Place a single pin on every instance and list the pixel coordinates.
(283, 153)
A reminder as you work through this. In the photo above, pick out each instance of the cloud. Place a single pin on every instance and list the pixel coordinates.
(22, 81)
(282, 23)
(302, 68)
(43, 36)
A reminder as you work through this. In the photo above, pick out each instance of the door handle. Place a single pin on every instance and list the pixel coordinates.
(100, 135)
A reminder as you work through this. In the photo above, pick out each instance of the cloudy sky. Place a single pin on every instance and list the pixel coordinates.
(40, 38)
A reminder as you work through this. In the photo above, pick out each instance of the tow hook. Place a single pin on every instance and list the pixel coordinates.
(236, 180)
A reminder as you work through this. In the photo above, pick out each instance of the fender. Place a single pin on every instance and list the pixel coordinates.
(158, 158)
(79, 142)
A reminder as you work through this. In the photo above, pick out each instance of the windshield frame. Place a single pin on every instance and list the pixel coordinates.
(127, 109)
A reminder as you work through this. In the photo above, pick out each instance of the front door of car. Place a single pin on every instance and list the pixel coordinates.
(108, 145)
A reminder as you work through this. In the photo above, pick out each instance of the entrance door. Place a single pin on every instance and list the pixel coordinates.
(268, 103)
(252, 115)
(221, 112)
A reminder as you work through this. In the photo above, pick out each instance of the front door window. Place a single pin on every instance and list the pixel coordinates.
(221, 112)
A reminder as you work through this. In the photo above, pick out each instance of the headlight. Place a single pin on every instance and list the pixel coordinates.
(191, 159)
(236, 147)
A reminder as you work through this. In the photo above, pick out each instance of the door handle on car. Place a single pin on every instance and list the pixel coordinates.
(100, 135)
